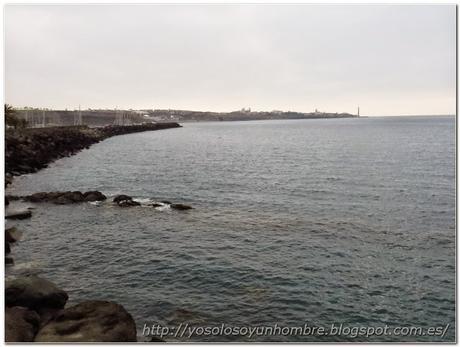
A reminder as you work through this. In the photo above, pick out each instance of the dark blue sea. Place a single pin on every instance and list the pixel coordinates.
(345, 221)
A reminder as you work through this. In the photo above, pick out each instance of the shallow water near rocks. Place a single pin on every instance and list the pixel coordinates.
(346, 221)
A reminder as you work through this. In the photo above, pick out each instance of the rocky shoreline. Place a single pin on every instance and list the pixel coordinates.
(35, 312)
(31, 149)
(35, 307)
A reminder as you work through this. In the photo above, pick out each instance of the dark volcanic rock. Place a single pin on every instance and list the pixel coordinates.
(18, 214)
(63, 198)
(121, 197)
(35, 293)
(75, 196)
(7, 201)
(29, 150)
(21, 324)
(66, 198)
(7, 247)
(166, 202)
(125, 201)
(94, 196)
(181, 207)
(38, 197)
(90, 321)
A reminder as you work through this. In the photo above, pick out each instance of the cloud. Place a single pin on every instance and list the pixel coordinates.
(390, 59)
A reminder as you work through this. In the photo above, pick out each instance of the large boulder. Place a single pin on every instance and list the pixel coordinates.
(94, 196)
(21, 324)
(90, 321)
(35, 293)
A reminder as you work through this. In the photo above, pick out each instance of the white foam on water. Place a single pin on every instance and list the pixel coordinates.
(143, 201)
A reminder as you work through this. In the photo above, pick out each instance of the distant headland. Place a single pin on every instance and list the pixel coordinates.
(37, 117)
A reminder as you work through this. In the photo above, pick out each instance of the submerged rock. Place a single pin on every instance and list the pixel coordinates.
(90, 321)
(18, 214)
(21, 324)
(35, 293)
(181, 207)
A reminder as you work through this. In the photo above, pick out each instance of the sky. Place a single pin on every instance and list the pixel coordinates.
(388, 59)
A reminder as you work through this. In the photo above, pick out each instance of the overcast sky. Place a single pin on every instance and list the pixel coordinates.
(389, 59)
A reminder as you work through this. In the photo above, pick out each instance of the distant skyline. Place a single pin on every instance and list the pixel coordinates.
(388, 59)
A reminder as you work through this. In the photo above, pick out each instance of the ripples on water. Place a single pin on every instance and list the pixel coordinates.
(322, 221)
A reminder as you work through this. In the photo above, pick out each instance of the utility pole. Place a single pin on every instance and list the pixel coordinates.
(43, 118)
(358, 111)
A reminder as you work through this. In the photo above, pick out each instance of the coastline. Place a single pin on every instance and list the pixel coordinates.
(35, 308)
(32, 149)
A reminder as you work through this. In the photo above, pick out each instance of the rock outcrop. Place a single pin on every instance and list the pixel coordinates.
(21, 324)
(35, 312)
(34, 293)
(90, 321)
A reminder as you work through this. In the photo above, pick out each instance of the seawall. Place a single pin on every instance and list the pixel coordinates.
(31, 149)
